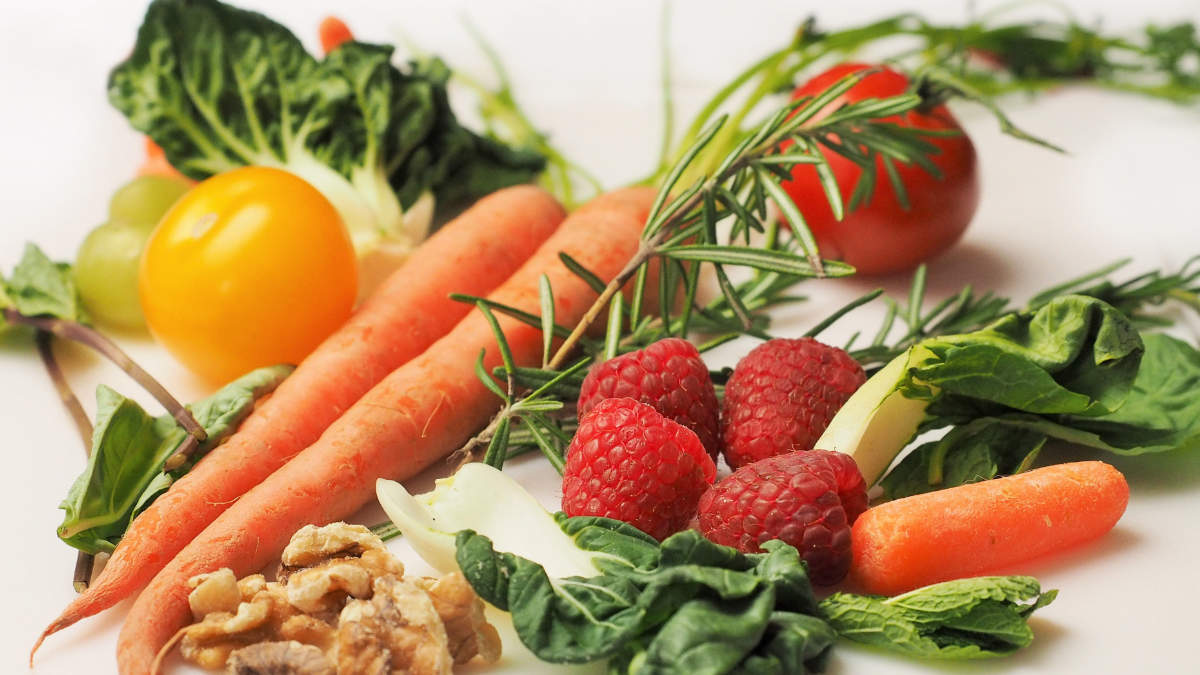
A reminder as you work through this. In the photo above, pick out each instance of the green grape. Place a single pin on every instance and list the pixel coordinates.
(106, 272)
(106, 269)
(144, 200)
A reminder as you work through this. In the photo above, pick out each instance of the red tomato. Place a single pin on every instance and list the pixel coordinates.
(881, 236)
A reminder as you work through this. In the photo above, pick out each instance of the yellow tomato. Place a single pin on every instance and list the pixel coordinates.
(251, 268)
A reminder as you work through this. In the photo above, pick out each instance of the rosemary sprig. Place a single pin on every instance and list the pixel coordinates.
(721, 219)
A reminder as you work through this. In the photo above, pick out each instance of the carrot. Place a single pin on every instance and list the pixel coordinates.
(156, 163)
(984, 527)
(333, 32)
(418, 414)
(472, 254)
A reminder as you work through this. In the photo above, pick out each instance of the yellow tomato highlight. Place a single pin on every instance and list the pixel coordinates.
(251, 268)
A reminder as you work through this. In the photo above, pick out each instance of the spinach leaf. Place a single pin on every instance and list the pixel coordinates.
(219, 87)
(978, 451)
(685, 606)
(1074, 355)
(1161, 412)
(972, 618)
(1071, 362)
(125, 471)
(40, 287)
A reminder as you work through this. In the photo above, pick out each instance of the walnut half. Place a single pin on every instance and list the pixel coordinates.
(280, 658)
(396, 631)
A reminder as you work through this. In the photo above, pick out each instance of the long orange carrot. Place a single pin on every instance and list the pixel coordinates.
(984, 527)
(472, 254)
(417, 415)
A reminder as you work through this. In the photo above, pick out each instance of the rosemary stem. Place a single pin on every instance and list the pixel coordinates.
(646, 249)
(84, 562)
(77, 332)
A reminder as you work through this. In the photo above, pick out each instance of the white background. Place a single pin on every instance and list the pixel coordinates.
(587, 73)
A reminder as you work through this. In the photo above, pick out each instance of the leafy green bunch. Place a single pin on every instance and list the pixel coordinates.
(219, 87)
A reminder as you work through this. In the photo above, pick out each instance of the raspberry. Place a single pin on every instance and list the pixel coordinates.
(807, 499)
(782, 395)
(668, 375)
(630, 463)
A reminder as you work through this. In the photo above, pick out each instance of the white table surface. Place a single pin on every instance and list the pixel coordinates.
(587, 73)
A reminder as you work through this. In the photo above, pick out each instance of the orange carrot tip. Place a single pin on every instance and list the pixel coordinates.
(982, 527)
(333, 32)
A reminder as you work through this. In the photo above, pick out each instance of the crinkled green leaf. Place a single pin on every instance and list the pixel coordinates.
(980, 617)
(1074, 355)
(1161, 412)
(685, 606)
(129, 446)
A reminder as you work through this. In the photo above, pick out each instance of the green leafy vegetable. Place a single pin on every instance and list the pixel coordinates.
(129, 447)
(1160, 413)
(973, 618)
(687, 606)
(39, 286)
(1073, 359)
(219, 87)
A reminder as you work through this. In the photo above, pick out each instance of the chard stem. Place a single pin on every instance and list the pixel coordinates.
(84, 562)
(77, 332)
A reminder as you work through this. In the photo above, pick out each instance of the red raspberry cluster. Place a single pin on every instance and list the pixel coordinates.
(650, 427)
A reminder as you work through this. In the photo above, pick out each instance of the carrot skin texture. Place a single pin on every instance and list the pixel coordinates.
(983, 527)
(473, 254)
(418, 414)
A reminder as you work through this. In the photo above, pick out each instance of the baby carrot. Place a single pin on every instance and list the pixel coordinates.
(156, 163)
(983, 527)
(333, 32)
(418, 414)
(472, 254)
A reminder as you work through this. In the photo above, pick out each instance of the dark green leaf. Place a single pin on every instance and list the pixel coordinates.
(685, 606)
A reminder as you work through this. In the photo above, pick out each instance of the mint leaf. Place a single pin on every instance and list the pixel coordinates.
(974, 618)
